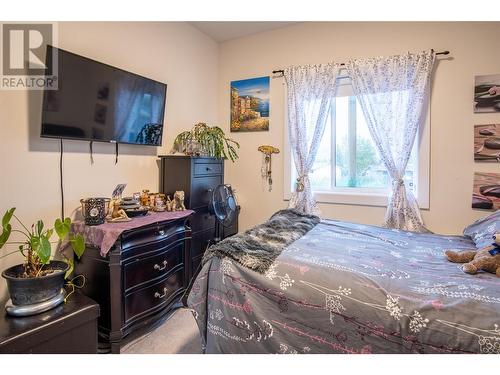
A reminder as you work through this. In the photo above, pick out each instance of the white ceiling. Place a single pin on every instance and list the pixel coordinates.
(224, 31)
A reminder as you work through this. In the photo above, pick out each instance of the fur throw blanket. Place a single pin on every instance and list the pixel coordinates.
(257, 248)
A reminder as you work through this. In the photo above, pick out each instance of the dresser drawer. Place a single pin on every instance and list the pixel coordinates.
(205, 169)
(202, 188)
(153, 297)
(201, 220)
(144, 269)
(159, 233)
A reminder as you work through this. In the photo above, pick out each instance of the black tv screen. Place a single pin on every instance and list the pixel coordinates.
(98, 102)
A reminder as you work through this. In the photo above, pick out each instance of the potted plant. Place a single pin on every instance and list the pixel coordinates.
(206, 140)
(38, 278)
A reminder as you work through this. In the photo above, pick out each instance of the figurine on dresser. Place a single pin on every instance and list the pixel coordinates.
(168, 203)
(159, 203)
(116, 212)
(178, 202)
(144, 198)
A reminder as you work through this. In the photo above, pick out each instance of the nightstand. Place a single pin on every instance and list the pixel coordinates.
(70, 328)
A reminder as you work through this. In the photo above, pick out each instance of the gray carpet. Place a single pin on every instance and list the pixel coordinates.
(179, 334)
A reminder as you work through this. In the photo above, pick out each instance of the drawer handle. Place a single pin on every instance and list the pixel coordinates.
(160, 296)
(209, 169)
(160, 268)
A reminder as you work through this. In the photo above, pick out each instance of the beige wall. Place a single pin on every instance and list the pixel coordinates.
(174, 53)
(475, 49)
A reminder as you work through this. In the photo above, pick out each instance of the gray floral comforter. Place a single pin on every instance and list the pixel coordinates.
(350, 288)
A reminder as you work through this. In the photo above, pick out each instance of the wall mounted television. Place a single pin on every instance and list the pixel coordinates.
(99, 102)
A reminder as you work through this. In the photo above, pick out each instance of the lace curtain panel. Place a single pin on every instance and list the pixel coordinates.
(310, 91)
(392, 92)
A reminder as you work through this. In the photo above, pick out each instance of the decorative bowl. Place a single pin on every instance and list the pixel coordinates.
(137, 212)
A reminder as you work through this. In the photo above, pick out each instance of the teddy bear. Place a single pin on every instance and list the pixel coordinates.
(486, 258)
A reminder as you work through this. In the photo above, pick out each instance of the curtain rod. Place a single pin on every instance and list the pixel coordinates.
(281, 71)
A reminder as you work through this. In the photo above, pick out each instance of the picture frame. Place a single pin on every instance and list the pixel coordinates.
(250, 105)
(486, 191)
(487, 143)
(487, 93)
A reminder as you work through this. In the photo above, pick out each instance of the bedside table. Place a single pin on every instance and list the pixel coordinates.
(70, 328)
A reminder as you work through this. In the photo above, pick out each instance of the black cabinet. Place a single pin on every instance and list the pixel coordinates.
(141, 279)
(70, 328)
(197, 177)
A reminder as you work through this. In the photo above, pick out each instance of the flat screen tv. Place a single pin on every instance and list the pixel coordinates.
(98, 102)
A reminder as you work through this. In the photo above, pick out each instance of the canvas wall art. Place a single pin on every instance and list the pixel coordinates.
(487, 93)
(487, 142)
(486, 191)
(250, 105)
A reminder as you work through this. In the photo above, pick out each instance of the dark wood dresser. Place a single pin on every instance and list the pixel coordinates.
(70, 328)
(197, 177)
(141, 279)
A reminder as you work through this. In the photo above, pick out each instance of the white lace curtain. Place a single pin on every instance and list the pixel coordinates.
(392, 92)
(310, 91)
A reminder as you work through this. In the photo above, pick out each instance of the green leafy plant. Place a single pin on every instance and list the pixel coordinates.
(208, 140)
(37, 247)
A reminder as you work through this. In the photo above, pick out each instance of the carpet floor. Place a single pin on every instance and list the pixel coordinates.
(179, 334)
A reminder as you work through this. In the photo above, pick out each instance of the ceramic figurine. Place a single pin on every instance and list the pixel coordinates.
(145, 197)
(117, 213)
(178, 202)
(152, 198)
(159, 204)
(168, 203)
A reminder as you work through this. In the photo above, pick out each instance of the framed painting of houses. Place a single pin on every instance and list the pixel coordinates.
(250, 105)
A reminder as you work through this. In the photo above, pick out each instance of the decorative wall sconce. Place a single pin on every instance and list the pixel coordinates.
(266, 170)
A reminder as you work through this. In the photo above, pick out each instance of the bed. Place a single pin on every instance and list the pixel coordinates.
(350, 288)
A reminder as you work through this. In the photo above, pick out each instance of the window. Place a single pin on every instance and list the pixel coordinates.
(348, 168)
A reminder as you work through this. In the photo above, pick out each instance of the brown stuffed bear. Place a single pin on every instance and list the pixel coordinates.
(486, 259)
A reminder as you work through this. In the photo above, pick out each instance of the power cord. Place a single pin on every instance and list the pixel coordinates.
(91, 152)
(61, 178)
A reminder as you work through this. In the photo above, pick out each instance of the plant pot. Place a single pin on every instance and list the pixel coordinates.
(193, 148)
(29, 291)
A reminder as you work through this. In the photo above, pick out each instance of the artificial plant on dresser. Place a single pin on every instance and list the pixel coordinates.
(204, 140)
